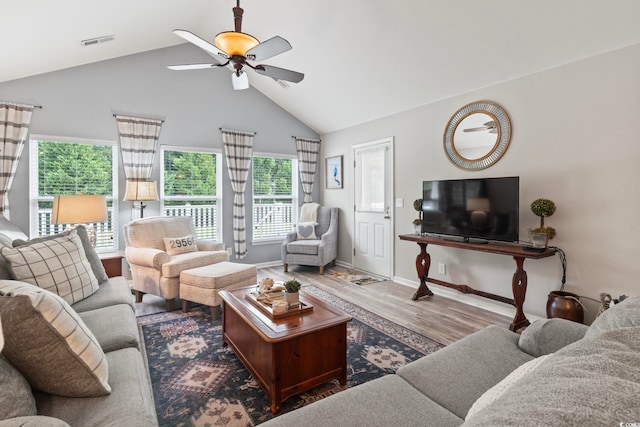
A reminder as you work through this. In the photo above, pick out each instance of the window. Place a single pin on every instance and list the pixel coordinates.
(189, 187)
(275, 193)
(61, 166)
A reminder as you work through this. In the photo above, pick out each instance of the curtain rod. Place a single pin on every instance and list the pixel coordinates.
(143, 118)
(304, 137)
(241, 131)
(20, 103)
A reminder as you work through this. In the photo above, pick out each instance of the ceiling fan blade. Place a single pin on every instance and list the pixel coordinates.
(481, 128)
(201, 43)
(279, 73)
(268, 48)
(194, 66)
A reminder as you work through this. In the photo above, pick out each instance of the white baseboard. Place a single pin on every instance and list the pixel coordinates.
(473, 300)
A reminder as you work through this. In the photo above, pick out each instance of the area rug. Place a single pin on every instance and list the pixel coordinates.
(198, 382)
(357, 277)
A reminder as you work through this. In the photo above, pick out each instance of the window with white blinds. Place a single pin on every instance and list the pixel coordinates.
(191, 185)
(275, 190)
(63, 166)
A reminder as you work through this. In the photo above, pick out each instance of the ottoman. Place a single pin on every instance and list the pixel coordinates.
(202, 284)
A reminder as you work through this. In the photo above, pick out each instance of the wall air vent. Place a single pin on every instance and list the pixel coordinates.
(97, 40)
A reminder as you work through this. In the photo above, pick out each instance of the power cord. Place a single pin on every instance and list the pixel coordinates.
(563, 262)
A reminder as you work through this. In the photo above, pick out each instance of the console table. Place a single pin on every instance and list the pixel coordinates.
(518, 283)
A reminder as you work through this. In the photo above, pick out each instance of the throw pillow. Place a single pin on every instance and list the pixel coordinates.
(623, 315)
(89, 250)
(58, 265)
(307, 231)
(16, 399)
(49, 344)
(180, 245)
(499, 389)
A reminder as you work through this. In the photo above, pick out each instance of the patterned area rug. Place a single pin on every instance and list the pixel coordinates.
(357, 277)
(198, 382)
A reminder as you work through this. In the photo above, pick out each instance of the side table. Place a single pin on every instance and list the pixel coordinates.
(112, 263)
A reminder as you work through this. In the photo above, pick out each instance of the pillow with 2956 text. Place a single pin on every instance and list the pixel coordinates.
(180, 245)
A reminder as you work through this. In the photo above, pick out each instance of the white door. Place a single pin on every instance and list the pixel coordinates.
(372, 211)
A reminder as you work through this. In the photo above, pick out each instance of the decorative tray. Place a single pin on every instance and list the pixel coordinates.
(265, 306)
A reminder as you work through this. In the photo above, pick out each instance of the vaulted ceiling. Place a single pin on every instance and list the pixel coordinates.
(362, 59)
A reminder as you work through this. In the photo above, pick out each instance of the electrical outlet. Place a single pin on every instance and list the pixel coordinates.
(442, 268)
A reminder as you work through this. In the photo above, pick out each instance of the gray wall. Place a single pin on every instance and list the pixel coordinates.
(80, 102)
(575, 141)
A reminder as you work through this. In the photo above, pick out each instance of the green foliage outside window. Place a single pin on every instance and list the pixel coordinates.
(271, 177)
(189, 174)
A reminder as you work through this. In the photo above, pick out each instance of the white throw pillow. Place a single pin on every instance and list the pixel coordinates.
(58, 265)
(499, 389)
(180, 245)
(49, 344)
(307, 231)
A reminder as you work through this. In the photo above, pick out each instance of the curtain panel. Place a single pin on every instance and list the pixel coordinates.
(14, 127)
(138, 145)
(238, 149)
(307, 159)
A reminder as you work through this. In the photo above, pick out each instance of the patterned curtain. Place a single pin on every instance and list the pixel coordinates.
(238, 149)
(14, 127)
(307, 159)
(138, 145)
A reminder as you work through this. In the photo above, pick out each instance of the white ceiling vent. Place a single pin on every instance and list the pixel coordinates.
(97, 40)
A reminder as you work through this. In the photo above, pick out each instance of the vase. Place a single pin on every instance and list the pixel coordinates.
(418, 228)
(565, 305)
(538, 240)
(292, 297)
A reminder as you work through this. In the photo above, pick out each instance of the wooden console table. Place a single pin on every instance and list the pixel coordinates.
(518, 283)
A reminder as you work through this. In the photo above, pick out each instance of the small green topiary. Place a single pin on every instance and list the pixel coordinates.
(544, 208)
(417, 205)
(292, 286)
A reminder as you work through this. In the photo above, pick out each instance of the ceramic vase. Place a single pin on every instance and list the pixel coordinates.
(292, 297)
(564, 305)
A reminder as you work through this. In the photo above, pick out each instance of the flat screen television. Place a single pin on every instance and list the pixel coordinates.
(476, 210)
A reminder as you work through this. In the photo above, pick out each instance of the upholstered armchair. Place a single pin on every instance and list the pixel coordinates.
(299, 249)
(159, 248)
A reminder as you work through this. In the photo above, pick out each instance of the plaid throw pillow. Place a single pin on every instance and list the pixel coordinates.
(58, 265)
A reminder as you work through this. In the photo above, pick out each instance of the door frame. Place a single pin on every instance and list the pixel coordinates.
(390, 141)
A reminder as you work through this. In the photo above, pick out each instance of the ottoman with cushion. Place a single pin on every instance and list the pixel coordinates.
(202, 284)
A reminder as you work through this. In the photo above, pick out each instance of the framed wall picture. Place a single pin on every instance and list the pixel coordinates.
(333, 172)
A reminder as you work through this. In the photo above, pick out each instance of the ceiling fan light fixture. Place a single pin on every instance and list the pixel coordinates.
(240, 80)
(235, 43)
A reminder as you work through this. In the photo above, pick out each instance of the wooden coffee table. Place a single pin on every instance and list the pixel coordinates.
(286, 355)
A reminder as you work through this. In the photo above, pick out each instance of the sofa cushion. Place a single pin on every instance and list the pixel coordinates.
(304, 247)
(180, 245)
(16, 399)
(33, 421)
(594, 381)
(546, 336)
(149, 232)
(129, 404)
(386, 401)
(9, 232)
(89, 250)
(49, 344)
(477, 362)
(114, 327)
(58, 265)
(499, 389)
(115, 290)
(622, 315)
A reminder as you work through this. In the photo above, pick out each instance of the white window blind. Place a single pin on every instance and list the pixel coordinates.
(62, 166)
(191, 186)
(274, 196)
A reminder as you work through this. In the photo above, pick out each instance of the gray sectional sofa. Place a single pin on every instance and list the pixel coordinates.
(100, 379)
(556, 373)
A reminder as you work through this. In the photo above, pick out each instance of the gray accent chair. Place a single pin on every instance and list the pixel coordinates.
(318, 252)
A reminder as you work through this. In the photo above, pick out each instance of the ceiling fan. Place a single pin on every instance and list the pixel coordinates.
(236, 48)
(490, 126)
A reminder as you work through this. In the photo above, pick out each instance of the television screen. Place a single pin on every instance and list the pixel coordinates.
(470, 209)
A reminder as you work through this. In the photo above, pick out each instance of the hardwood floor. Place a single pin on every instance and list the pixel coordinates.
(443, 319)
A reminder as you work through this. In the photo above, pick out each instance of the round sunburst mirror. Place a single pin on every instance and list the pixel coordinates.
(477, 135)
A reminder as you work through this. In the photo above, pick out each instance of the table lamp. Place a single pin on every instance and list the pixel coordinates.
(141, 191)
(80, 209)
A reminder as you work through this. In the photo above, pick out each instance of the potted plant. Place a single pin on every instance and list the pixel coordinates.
(291, 291)
(417, 223)
(540, 236)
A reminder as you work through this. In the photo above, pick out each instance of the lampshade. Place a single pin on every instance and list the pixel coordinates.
(235, 43)
(79, 209)
(139, 191)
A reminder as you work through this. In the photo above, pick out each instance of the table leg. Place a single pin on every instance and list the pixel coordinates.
(519, 286)
(423, 262)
